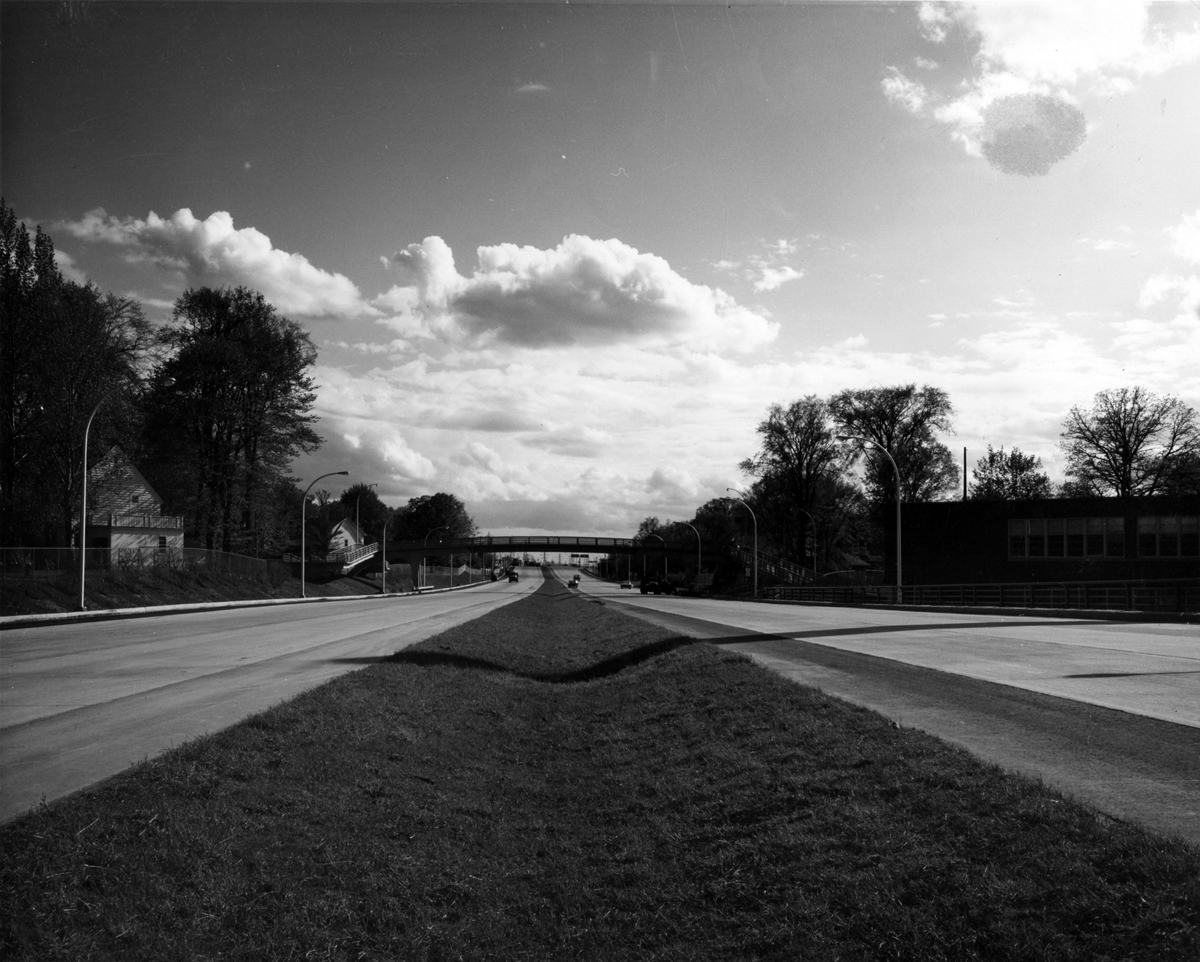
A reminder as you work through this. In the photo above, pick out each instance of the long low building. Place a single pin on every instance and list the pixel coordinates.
(1056, 539)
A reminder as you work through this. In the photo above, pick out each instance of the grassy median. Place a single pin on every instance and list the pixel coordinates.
(558, 781)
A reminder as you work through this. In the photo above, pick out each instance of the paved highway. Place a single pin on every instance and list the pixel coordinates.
(81, 702)
(1108, 711)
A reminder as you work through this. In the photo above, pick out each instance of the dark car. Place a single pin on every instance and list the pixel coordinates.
(514, 576)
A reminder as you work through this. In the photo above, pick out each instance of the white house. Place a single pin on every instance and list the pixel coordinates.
(125, 512)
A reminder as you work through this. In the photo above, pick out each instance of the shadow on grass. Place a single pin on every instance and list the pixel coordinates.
(601, 669)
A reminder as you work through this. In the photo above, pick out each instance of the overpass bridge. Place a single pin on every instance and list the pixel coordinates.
(411, 552)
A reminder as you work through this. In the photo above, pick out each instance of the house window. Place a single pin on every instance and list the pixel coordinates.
(133, 498)
(162, 544)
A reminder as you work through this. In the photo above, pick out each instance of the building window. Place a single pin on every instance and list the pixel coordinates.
(1189, 537)
(1055, 538)
(162, 544)
(1016, 539)
(133, 498)
(1080, 537)
(1114, 537)
(1076, 532)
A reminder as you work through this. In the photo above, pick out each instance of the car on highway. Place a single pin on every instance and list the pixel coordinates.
(626, 584)
(513, 576)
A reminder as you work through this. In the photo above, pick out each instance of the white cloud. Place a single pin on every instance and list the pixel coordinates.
(213, 252)
(1034, 62)
(583, 291)
(935, 21)
(906, 93)
(1186, 238)
(68, 268)
(772, 278)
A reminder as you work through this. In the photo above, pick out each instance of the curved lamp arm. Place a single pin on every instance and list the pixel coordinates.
(303, 523)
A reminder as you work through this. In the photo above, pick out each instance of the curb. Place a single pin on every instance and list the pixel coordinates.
(1086, 614)
(9, 622)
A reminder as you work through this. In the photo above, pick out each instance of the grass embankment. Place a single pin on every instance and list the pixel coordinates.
(558, 781)
(141, 589)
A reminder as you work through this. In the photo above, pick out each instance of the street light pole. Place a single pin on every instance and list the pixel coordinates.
(440, 527)
(304, 524)
(814, 527)
(357, 522)
(83, 504)
(751, 510)
(383, 566)
(899, 579)
(693, 527)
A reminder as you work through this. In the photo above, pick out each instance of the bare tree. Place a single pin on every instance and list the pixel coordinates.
(1131, 443)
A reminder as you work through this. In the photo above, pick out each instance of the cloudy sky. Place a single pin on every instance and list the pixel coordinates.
(559, 259)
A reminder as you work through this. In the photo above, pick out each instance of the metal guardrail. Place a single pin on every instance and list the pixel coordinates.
(1175, 595)
(350, 556)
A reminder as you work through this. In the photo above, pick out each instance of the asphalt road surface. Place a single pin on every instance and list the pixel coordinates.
(1108, 712)
(81, 702)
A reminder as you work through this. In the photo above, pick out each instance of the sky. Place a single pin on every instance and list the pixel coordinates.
(559, 259)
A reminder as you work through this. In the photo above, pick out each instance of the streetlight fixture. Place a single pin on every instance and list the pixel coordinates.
(693, 527)
(383, 565)
(814, 527)
(743, 503)
(440, 527)
(899, 579)
(83, 501)
(304, 524)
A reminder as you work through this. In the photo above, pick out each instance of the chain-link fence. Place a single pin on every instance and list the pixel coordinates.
(130, 562)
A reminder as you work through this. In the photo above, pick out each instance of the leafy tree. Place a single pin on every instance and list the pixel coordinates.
(422, 516)
(902, 420)
(797, 455)
(29, 281)
(1014, 476)
(222, 436)
(361, 500)
(64, 349)
(1131, 443)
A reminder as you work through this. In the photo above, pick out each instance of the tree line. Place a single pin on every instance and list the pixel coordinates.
(826, 469)
(212, 408)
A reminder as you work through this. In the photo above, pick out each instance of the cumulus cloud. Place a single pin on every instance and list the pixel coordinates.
(213, 252)
(1034, 61)
(583, 291)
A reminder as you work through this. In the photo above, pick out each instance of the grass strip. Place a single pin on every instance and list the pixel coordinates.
(558, 781)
